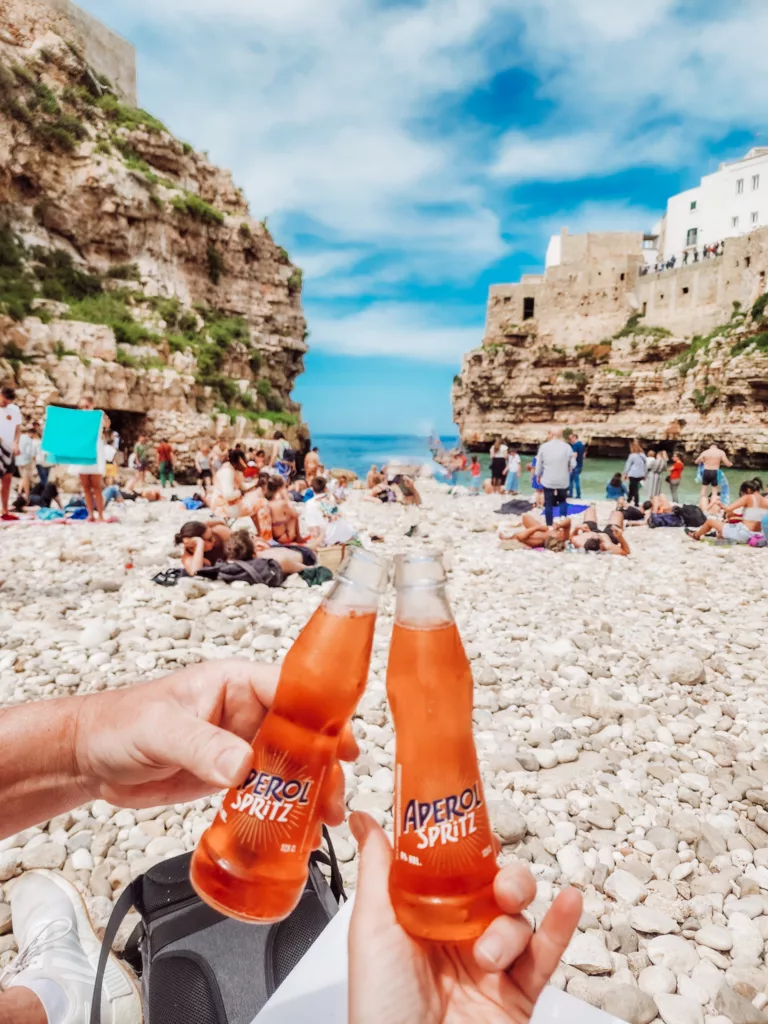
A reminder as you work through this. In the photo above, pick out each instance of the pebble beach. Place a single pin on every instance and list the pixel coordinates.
(621, 715)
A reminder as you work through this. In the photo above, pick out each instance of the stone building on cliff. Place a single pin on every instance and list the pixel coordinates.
(599, 343)
(131, 270)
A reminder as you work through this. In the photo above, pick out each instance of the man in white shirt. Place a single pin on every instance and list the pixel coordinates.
(322, 517)
(10, 432)
(554, 462)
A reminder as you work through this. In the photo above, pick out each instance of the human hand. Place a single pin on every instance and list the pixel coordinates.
(183, 736)
(395, 979)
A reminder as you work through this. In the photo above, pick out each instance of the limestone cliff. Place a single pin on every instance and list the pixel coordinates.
(130, 268)
(561, 364)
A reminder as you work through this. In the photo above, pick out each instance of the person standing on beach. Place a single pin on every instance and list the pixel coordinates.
(635, 469)
(92, 475)
(28, 457)
(554, 461)
(164, 453)
(142, 464)
(10, 432)
(311, 465)
(653, 467)
(512, 483)
(712, 459)
(474, 472)
(498, 466)
(579, 449)
(675, 475)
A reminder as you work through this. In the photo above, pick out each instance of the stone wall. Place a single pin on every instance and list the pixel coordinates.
(694, 299)
(27, 21)
(581, 362)
(582, 300)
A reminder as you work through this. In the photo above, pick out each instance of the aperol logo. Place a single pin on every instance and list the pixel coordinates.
(445, 820)
(275, 802)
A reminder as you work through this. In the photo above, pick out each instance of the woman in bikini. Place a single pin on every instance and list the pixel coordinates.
(284, 517)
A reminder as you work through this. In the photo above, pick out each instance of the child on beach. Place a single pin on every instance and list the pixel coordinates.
(474, 470)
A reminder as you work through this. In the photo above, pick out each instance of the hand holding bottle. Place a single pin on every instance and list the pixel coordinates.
(395, 979)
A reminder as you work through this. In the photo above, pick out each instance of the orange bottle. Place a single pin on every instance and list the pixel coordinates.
(252, 863)
(441, 882)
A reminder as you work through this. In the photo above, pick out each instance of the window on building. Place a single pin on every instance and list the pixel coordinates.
(623, 276)
(692, 236)
(685, 291)
(734, 222)
(528, 307)
(747, 261)
(755, 181)
(739, 186)
(755, 217)
(693, 204)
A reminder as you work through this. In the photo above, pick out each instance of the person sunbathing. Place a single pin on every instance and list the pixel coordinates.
(203, 544)
(242, 546)
(589, 536)
(535, 534)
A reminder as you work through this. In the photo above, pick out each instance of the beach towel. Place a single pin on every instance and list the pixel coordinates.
(48, 515)
(191, 504)
(71, 436)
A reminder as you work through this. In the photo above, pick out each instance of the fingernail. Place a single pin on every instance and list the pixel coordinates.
(230, 764)
(490, 948)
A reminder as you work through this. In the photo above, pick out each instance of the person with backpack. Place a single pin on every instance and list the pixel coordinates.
(172, 740)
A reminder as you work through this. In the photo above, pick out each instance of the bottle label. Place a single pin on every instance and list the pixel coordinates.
(275, 805)
(454, 826)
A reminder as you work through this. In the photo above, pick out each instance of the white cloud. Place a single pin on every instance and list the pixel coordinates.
(332, 116)
(410, 330)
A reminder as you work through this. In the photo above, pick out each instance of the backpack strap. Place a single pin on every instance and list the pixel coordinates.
(119, 911)
(332, 861)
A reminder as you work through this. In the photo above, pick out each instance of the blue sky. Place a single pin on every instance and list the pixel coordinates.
(410, 154)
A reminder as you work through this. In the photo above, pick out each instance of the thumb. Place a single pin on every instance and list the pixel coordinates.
(372, 901)
(211, 754)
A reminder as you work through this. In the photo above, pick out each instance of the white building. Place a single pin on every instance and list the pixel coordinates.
(733, 201)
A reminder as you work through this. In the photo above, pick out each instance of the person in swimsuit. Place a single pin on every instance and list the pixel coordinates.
(203, 544)
(285, 518)
(242, 546)
(755, 510)
(711, 460)
(589, 536)
(535, 534)
(231, 499)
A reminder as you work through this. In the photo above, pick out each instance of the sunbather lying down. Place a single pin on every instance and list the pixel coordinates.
(535, 534)
(589, 536)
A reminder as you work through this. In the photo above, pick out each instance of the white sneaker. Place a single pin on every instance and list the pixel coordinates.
(57, 943)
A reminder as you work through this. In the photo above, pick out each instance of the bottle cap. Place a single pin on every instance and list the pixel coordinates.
(419, 569)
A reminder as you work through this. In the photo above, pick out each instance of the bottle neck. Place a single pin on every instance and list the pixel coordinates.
(359, 584)
(423, 606)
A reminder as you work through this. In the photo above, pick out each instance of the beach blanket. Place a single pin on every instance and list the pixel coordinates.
(71, 436)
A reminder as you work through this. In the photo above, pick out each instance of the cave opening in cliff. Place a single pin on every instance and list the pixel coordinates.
(130, 426)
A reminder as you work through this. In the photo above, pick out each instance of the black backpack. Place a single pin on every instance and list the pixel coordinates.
(656, 519)
(196, 966)
(691, 515)
(257, 570)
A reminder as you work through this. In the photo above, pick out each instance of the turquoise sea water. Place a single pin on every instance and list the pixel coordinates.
(358, 452)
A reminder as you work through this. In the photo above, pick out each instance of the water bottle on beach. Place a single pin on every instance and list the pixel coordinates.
(252, 863)
(441, 881)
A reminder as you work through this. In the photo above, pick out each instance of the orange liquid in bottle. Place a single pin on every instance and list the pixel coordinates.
(252, 862)
(441, 882)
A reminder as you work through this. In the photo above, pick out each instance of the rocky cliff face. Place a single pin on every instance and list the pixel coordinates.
(130, 268)
(643, 382)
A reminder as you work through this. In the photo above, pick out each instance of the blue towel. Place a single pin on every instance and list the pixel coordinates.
(71, 436)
